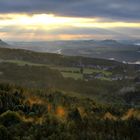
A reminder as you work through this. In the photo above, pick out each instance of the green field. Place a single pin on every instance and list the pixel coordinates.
(89, 71)
(22, 63)
(75, 76)
(67, 72)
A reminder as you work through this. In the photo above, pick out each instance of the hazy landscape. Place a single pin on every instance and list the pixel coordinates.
(69, 70)
(122, 51)
(62, 92)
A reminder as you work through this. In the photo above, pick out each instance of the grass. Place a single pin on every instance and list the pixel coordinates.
(86, 70)
(75, 76)
(22, 63)
(67, 69)
(105, 78)
(90, 71)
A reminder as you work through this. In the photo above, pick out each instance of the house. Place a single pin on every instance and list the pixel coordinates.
(99, 76)
(117, 77)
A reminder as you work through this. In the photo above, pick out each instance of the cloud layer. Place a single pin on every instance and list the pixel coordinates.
(69, 19)
(117, 9)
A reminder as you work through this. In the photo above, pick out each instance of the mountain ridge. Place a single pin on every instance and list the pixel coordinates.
(3, 44)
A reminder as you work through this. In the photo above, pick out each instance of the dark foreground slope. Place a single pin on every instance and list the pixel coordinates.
(49, 115)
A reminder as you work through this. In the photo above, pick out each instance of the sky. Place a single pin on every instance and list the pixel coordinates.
(43, 20)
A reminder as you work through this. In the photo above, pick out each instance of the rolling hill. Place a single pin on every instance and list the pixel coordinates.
(3, 44)
(105, 49)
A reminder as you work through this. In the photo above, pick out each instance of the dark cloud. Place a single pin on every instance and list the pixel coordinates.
(117, 9)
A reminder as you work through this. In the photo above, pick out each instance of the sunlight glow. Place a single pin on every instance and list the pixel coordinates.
(35, 25)
(50, 21)
(43, 21)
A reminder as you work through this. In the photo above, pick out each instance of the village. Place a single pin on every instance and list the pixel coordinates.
(92, 72)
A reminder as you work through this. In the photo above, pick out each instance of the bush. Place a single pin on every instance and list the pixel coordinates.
(3, 133)
(9, 118)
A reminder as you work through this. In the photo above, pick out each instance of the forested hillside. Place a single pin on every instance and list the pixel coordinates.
(48, 114)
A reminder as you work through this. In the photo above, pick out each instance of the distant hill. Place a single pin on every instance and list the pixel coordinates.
(105, 49)
(3, 44)
(51, 58)
(110, 42)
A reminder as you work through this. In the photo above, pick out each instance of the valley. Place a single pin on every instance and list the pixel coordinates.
(56, 96)
(99, 79)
